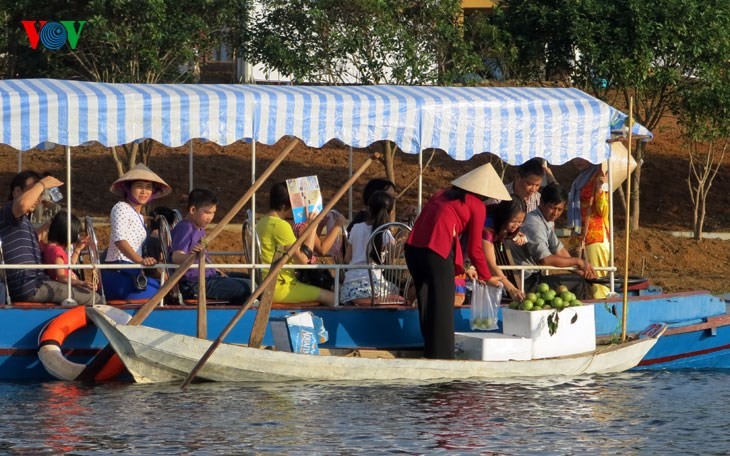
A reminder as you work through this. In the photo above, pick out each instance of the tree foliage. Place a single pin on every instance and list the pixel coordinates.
(370, 41)
(704, 116)
(145, 41)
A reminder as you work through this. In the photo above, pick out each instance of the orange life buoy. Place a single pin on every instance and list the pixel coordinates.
(54, 334)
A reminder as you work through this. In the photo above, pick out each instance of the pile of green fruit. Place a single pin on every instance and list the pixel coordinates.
(545, 298)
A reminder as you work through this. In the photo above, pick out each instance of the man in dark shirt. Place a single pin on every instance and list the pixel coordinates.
(20, 245)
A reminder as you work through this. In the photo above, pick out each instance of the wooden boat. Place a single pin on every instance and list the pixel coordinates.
(152, 356)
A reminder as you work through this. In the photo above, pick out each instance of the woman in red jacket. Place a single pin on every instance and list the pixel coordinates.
(433, 252)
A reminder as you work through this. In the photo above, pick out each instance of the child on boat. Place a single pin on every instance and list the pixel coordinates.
(186, 237)
(357, 281)
(275, 233)
(53, 251)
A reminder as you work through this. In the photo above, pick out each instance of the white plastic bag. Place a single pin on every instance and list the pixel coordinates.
(484, 306)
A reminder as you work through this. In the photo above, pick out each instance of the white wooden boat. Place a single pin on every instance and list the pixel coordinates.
(152, 355)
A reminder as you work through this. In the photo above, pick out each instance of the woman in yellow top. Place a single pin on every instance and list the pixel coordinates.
(588, 217)
(274, 232)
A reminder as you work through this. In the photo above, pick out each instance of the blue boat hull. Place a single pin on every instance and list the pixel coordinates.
(698, 334)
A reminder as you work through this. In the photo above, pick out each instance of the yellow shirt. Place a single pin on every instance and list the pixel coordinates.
(273, 233)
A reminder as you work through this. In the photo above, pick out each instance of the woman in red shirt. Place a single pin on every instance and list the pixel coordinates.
(433, 252)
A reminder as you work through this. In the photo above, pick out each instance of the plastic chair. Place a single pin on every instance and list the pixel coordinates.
(393, 283)
(165, 234)
(94, 255)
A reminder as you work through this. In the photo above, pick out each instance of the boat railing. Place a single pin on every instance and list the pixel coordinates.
(259, 266)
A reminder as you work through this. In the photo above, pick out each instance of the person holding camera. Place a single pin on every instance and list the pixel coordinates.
(137, 187)
(21, 246)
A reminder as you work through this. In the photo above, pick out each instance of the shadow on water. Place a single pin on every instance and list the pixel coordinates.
(636, 412)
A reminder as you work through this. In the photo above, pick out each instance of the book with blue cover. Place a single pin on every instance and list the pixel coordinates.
(305, 196)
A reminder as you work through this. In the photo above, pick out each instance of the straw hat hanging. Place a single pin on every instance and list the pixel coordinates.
(619, 156)
(141, 173)
(483, 181)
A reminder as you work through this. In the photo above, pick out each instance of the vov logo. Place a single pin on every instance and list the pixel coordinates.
(53, 35)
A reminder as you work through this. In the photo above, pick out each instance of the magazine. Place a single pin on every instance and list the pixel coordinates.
(304, 194)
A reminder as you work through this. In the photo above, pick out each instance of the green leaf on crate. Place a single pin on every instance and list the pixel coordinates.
(552, 322)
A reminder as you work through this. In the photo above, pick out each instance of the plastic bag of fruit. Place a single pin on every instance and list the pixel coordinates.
(484, 306)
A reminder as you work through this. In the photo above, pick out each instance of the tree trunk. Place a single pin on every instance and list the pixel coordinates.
(636, 187)
(389, 155)
(635, 197)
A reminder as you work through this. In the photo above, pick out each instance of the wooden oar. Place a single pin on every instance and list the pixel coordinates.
(271, 277)
(103, 356)
(262, 314)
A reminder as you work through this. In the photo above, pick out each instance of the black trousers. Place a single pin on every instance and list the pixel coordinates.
(433, 278)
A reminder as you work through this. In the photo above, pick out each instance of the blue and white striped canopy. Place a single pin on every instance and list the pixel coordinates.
(514, 123)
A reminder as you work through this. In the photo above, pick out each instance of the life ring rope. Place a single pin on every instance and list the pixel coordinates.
(53, 335)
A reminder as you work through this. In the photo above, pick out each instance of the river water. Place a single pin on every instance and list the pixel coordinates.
(647, 412)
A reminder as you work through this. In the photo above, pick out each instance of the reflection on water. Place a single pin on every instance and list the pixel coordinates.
(633, 413)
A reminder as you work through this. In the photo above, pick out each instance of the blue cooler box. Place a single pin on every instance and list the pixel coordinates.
(298, 333)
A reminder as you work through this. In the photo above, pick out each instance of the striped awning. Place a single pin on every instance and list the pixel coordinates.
(514, 123)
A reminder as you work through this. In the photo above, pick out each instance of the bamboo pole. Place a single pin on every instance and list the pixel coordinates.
(202, 304)
(272, 276)
(106, 353)
(625, 308)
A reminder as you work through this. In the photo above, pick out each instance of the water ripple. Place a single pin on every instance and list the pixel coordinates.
(634, 413)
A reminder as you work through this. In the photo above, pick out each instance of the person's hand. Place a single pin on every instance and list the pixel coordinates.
(408, 214)
(471, 273)
(495, 281)
(340, 219)
(148, 261)
(515, 293)
(50, 182)
(587, 270)
(520, 239)
(310, 216)
(82, 243)
(197, 248)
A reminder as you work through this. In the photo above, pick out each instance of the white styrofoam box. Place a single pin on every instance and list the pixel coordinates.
(570, 338)
(492, 346)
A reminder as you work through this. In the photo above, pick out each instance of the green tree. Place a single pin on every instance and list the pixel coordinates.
(651, 51)
(542, 35)
(369, 41)
(704, 116)
(364, 41)
(132, 41)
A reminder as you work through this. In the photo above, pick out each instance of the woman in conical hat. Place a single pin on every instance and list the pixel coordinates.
(433, 252)
(137, 187)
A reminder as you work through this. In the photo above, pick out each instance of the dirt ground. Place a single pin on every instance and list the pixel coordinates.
(671, 262)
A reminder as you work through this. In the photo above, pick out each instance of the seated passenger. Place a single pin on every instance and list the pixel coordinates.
(21, 246)
(53, 250)
(137, 187)
(528, 182)
(357, 281)
(186, 237)
(276, 234)
(373, 185)
(503, 223)
(544, 248)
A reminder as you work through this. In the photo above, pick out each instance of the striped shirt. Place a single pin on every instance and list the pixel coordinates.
(20, 246)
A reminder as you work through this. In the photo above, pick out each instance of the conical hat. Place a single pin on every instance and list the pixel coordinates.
(483, 181)
(141, 173)
(619, 155)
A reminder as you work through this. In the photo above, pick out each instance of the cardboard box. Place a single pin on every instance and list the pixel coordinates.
(298, 333)
(570, 338)
(492, 346)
